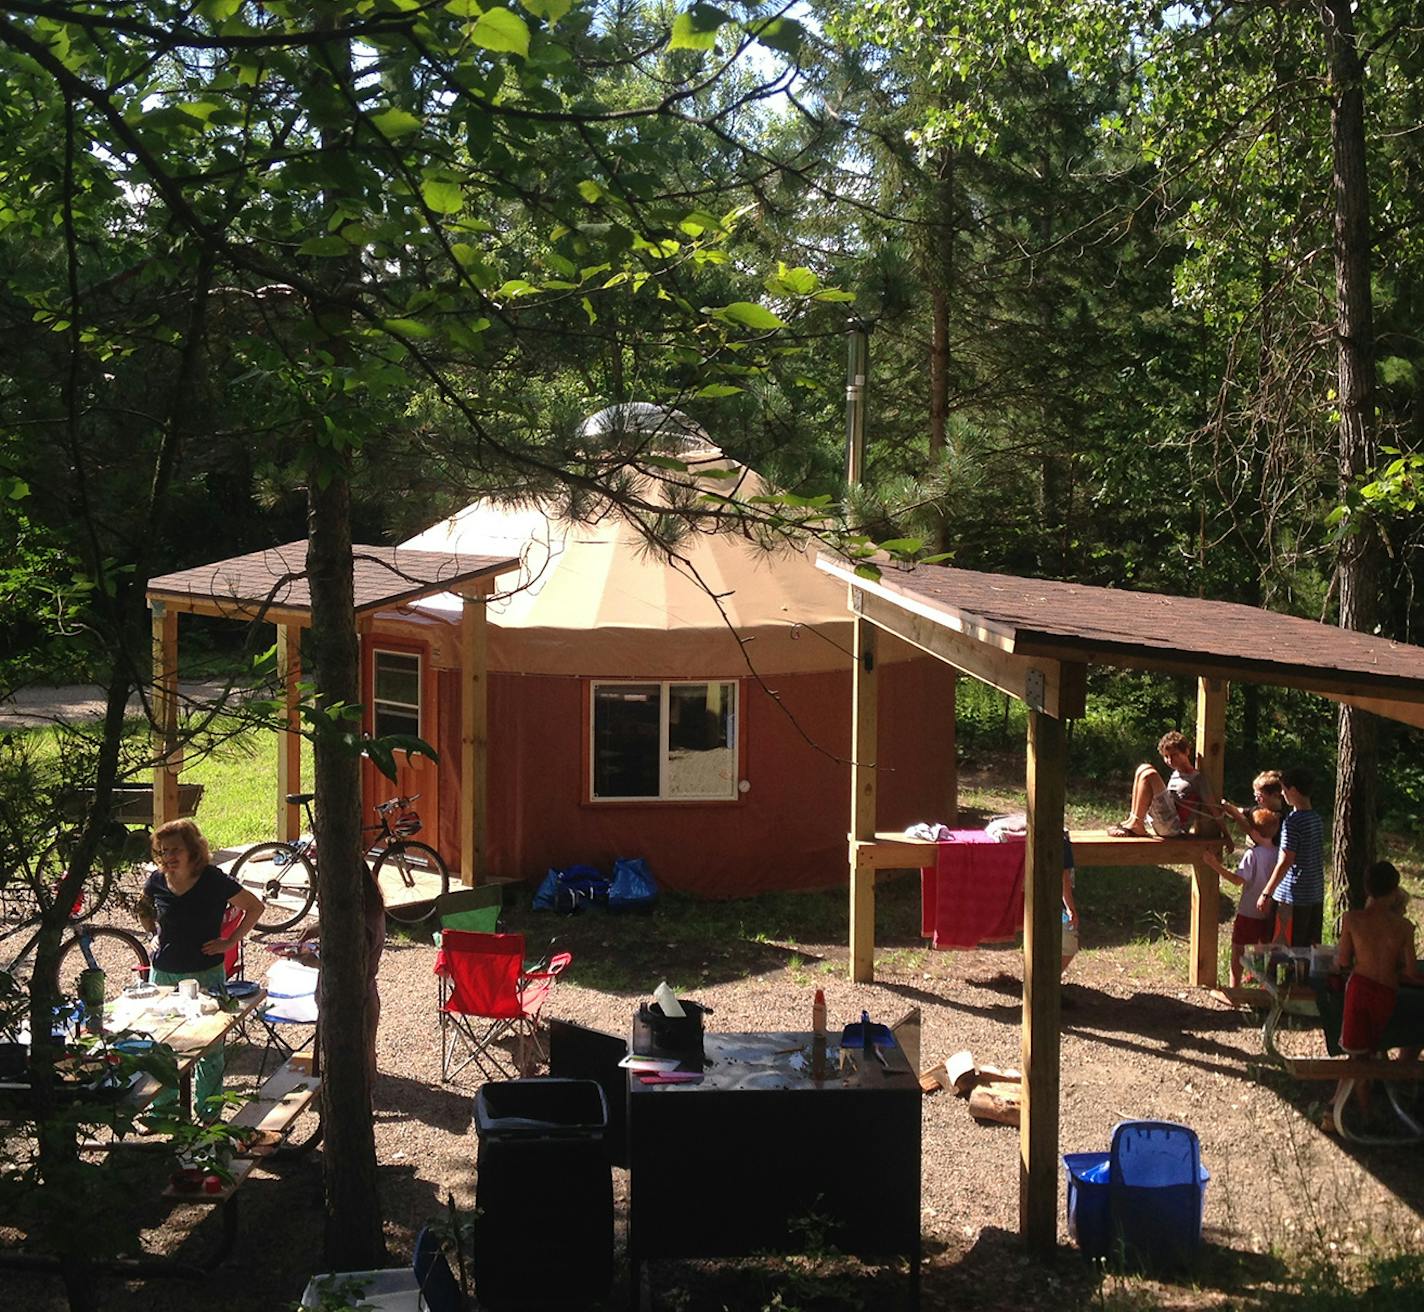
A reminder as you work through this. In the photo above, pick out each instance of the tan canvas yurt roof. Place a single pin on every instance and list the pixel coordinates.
(592, 597)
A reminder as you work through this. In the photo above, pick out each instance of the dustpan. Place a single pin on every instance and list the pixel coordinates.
(854, 1035)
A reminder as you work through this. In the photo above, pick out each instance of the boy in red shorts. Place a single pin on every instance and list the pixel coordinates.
(1252, 925)
(1379, 943)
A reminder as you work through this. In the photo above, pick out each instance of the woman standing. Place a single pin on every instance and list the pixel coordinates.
(184, 901)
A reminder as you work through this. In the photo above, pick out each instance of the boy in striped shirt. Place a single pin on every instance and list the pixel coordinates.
(1296, 888)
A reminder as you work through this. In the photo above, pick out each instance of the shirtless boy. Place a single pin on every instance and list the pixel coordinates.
(1379, 943)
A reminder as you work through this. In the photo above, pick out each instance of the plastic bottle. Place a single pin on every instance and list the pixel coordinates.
(818, 1013)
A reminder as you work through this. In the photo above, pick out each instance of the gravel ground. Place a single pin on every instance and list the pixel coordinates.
(1136, 1043)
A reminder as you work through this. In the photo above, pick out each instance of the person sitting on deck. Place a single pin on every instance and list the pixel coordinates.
(1378, 942)
(1168, 809)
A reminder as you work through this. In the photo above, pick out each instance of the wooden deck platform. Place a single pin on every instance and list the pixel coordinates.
(1091, 848)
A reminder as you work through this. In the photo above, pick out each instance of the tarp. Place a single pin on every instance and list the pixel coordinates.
(594, 598)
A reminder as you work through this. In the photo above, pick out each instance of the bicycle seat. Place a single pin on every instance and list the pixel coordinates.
(300, 799)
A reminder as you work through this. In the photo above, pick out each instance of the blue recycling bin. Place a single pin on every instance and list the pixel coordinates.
(1142, 1199)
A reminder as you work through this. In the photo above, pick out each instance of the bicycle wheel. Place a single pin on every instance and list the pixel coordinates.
(114, 951)
(52, 867)
(411, 876)
(282, 877)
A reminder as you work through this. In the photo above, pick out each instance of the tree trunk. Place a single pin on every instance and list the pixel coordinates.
(1358, 573)
(354, 1237)
(940, 266)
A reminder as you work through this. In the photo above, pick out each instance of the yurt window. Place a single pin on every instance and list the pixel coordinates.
(395, 699)
(669, 741)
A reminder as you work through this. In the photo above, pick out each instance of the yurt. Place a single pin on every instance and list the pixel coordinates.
(690, 707)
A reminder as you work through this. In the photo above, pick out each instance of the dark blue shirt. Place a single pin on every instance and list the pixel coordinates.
(185, 923)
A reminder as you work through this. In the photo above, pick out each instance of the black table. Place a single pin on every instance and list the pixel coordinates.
(761, 1157)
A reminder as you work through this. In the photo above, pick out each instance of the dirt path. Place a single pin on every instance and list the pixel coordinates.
(30, 708)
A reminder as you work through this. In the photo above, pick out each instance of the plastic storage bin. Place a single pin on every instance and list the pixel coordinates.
(1142, 1199)
(544, 1191)
(392, 1290)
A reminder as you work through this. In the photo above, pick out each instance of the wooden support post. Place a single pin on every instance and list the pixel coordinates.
(1206, 886)
(1042, 992)
(474, 739)
(168, 758)
(289, 741)
(863, 751)
(949, 745)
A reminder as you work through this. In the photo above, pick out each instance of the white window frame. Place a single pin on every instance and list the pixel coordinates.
(664, 687)
(377, 702)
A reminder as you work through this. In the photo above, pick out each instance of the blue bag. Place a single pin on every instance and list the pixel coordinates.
(569, 891)
(633, 887)
(547, 893)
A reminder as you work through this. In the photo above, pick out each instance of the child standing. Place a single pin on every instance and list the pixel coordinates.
(1252, 925)
(1379, 943)
(1297, 884)
(1268, 793)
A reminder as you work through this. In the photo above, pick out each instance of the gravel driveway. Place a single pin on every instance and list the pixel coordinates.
(1136, 1044)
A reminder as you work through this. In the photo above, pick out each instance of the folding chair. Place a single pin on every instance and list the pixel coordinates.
(291, 1001)
(233, 959)
(475, 909)
(485, 995)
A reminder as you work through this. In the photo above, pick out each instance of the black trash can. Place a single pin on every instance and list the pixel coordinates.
(544, 1194)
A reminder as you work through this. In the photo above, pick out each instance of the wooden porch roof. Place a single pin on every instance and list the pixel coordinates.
(1040, 619)
(272, 583)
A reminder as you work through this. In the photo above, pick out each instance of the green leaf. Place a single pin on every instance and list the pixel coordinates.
(549, 10)
(202, 110)
(407, 327)
(324, 246)
(831, 295)
(442, 197)
(395, 122)
(902, 546)
(501, 30)
(697, 28)
(219, 10)
(784, 34)
(515, 287)
(867, 572)
(748, 314)
(713, 390)
(588, 310)
(590, 191)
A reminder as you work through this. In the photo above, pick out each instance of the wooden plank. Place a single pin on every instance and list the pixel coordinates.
(289, 741)
(229, 608)
(168, 758)
(864, 748)
(1354, 1068)
(1042, 988)
(474, 740)
(1206, 885)
(284, 1097)
(1389, 707)
(1037, 681)
(239, 1168)
(1091, 848)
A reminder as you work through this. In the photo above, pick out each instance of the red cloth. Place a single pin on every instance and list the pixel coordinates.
(1368, 1007)
(974, 892)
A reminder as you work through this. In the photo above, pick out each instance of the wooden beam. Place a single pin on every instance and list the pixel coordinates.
(864, 749)
(1042, 988)
(289, 741)
(230, 608)
(1206, 884)
(167, 755)
(1039, 683)
(474, 739)
(1388, 707)
(949, 746)
(1092, 848)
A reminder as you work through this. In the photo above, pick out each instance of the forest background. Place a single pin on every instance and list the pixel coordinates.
(1144, 284)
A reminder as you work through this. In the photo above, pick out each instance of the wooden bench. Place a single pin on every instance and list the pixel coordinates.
(282, 1098)
(1349, 1071)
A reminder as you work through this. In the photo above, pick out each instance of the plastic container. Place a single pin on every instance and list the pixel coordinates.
(1142, 1200)
(392, 1290)
(542, 1164)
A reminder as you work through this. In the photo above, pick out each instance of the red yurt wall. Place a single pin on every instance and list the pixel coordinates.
(788, 831)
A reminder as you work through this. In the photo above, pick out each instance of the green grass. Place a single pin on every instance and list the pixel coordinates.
(239, 779)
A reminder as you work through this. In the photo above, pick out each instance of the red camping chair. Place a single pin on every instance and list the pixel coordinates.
(232, 959)
(485, 995)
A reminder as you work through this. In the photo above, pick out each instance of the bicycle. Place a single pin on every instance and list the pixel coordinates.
(283, 874)
(114, 874)
(121, 955)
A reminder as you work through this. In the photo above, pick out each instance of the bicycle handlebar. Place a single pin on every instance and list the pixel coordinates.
(395, 803)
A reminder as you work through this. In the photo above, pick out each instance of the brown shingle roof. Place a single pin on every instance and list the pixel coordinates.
(384, 576)
(1113, 626)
